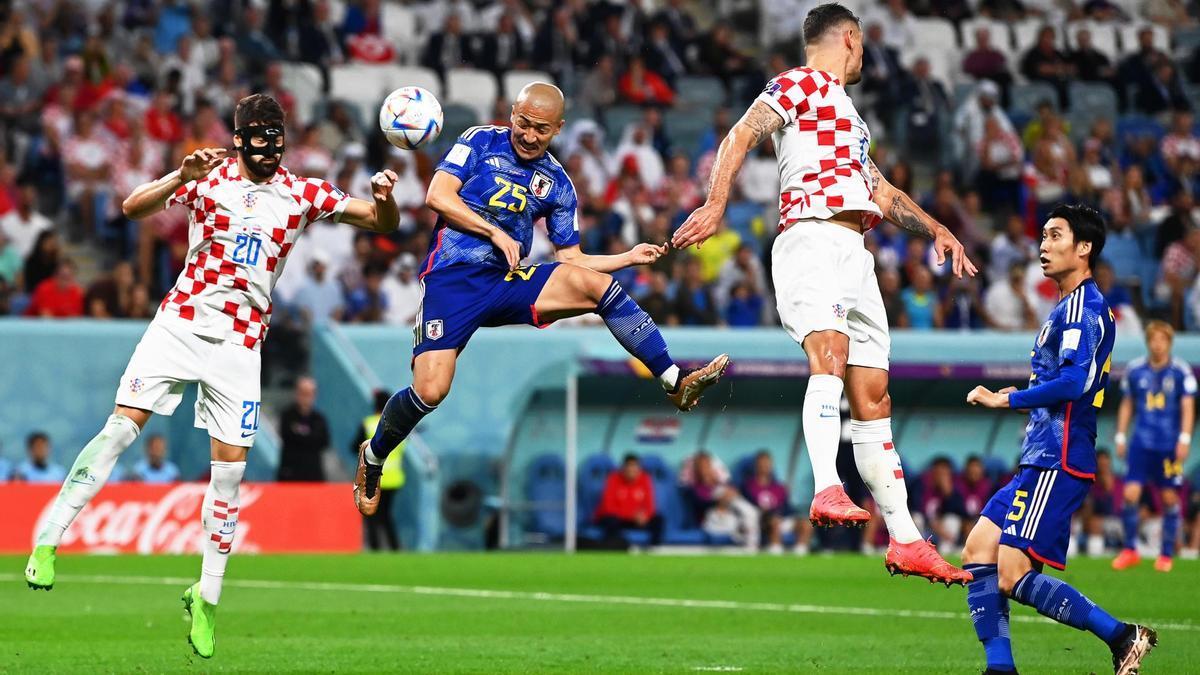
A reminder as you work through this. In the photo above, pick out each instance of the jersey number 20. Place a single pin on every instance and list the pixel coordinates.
(507, 187)
(248, 249)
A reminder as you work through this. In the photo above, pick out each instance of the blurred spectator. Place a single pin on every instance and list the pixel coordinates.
(976, 489)
(600, 86)
(899, 25)
(307, 157)
(254, 46)
(770, 497)
(661, 56)
(1138, 67)
(928, 108)
(1006, 304)
(1001, 159)
(155, 467)
(637, 145)
(38, 466)
(20, 102)
(319, 42)
(970, 123)
(657, 300)
(403, 292)
(694, 303)
(942, 505)
(889, 289)
(42, 261)
(10, 262)
(1010, 247)
(882, 75)
(558, 47)
(721, 509)
(1093, 177)
(985, 62)
(1178, 271)
(717, 55)
(1163, 91)
(1119, 300)
(644, 87)
(1045, 63)
(111, 296)
(963, 308)
(319, 298)
(743, 268)
(921, 304)
(745, 306)
(1181, 219)
(25, 224)
(1091, 64)
(502, 50)
(368, 303)
(680, 191)
(1180, 145)
(87, 158)
(58, 297)
(448, 48)
(1102, 507)
(381, 528)
(162, 124)
(303, 435)
(627, 503)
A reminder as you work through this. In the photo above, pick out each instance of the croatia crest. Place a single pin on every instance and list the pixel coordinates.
(249, 200)
(433, 329)
(540, 185)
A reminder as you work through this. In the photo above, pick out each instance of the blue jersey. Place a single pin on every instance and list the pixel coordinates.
(506, 191)
(1078, 335)
(1157, 398)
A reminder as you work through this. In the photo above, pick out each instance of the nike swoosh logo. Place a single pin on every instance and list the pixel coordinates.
(824, 415)
(248, 434)
(81, 482)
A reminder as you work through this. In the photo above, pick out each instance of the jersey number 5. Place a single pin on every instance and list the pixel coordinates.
(507, 187)
(1018, 505)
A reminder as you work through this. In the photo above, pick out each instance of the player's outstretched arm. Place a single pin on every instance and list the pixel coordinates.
(150, 198)
(443, 199)
(759, 122)
(899, 208)
(642, 254)
(379, 215)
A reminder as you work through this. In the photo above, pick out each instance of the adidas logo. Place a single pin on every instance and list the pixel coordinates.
(1011, 530)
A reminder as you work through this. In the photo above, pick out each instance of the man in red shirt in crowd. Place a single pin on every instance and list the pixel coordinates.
(59, 297)
(628, 503)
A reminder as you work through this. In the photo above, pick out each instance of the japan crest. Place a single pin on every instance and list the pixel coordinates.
(540, 185)
(433, 329)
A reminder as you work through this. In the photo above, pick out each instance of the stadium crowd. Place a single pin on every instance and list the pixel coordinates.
(96, 97)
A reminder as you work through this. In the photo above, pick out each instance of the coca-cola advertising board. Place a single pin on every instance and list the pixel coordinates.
(139, 518)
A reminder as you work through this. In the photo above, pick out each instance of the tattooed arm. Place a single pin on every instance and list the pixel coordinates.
(900, 209)
(759, 122)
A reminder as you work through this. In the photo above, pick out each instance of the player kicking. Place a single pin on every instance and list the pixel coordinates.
(1163, 391)
(1027, 524)
(827, 294)
(488, 191)
(245, 216)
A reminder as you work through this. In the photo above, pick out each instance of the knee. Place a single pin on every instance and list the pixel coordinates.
(431, 392)
(596, 284)
(875, 407)
(827, 353)
(1133, 494)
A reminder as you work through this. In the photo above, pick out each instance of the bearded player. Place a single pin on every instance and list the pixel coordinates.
(245, 215)
(1026, 525)
(488, 191)
(828, 297)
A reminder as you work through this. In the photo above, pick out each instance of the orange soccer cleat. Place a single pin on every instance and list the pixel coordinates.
(920, 558)
(1125, 559)
(832, 507)
(1164, 563)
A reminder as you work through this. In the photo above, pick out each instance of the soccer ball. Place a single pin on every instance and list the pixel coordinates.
(410, 117)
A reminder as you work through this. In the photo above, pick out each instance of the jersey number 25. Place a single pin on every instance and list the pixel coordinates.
(507, 187)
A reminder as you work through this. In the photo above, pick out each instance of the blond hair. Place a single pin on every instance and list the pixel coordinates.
(1160, 326)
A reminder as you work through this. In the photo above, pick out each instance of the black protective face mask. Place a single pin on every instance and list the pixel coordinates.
(272, 148)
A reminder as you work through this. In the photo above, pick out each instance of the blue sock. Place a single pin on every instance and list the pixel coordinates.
(634, 329)
(1170, 530)
(1129, 518)
(1056, 599)
(989, 612)
(402, 412)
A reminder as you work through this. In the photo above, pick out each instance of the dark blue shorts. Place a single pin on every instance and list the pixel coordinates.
(1034, 512)
(1149, 467)
(460, 299)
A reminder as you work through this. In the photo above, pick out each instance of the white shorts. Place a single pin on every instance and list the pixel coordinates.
(825, 280)
(169, 357)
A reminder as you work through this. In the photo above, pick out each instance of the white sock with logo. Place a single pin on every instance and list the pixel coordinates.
(88, 474)
(879, 465)
(219, 516)
(822, 418)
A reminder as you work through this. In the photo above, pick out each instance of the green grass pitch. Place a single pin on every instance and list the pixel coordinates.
(514, 612)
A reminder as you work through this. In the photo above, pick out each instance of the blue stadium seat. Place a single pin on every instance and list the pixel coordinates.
(591, 475)
(1025, 98)
(545, 487)
(742, 470)
(699, 91)
(670, 503)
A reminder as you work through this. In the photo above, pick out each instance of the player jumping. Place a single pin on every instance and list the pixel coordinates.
(245, 216)
(1163, 391)
(827, 293)
(1027, 524)
(488, 191)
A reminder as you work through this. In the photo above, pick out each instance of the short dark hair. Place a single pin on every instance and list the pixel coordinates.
(35, 437)
(1086, 224)
(630, 457)
(257, 110)
(823, 18)
(381, 397)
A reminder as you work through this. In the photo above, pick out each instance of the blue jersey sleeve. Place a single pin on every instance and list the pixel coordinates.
(1187, 383)
(1082, 332)
(1125, 388)
(460, 160)
(562, 223)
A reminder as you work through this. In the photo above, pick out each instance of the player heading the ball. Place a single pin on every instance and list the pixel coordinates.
(488, 191)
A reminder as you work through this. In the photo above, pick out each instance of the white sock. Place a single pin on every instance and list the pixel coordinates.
(369, 455)
(1095, 545)
(88, 474)
(822, 419)
(879, 465)
(669, 377)
(219, 517)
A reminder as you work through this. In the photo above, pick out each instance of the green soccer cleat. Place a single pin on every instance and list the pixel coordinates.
(39, 571)
(204, 619)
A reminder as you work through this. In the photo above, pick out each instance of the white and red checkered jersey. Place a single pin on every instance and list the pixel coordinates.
(822, 148)
(239, 236)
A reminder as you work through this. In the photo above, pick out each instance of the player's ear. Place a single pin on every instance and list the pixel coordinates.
(1084, 248)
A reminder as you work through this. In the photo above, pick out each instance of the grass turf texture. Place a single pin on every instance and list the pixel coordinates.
(94, 625)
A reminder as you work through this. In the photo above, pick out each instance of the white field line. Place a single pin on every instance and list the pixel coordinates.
(265, 584)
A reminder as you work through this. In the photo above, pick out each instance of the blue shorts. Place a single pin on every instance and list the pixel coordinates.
(1034, 512)
(460, 299)
(1148, 467)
